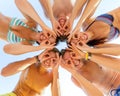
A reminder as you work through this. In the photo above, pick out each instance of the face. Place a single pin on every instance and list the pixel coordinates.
(49, 59)
(62, 21)
(47, 38)
(72, 58)
(78, 37)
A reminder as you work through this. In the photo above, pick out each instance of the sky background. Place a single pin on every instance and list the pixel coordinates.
(7, 84)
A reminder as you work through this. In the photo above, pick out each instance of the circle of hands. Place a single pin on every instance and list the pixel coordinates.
(69, 58)
(49, 38)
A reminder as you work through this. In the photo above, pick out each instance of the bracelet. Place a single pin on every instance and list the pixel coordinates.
(88, 55)
(37, 58)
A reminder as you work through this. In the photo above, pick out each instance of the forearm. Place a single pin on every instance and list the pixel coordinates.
(18, 66)
(17, 49)
(88, 11)
(107, 61)
(86, 85)
(77, 9)
(47, 8)
(26, 8)
(55, 86)
(107, 50)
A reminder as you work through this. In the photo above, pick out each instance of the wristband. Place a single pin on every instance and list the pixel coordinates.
(88, 55)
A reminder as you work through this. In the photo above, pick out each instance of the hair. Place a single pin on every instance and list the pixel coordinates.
(96, 42)
(62, 38)
(63, 51)
(54, 50)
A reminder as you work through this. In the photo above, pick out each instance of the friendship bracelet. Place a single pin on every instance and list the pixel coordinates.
(37, 58)
(88, 55)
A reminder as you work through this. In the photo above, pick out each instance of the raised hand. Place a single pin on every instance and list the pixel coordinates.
(67, 27)
(23, 32)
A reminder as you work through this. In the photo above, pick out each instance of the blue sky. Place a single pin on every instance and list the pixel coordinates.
(7, 84)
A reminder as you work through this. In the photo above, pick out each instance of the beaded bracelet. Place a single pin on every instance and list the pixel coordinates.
(88, 55)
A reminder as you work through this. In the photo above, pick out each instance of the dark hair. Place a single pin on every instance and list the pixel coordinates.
(54, 50)
(62, 38)
(96, 42)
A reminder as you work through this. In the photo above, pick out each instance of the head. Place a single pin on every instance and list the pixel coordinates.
(78, 37)
(46, 37)
(64, 26)
(49, 58)
(71, 57)
(62, 20)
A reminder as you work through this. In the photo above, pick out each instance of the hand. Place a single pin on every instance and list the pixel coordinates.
(43, 46)
(48, 30)
(23, 32)
(83, 47)
(67, 27)
(31, 24)
(55, 68)
(73, 35)
(68, 67)
(77, 51)
(56, 27)
(44, 55)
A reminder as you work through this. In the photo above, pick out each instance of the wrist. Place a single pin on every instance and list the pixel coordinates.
(37, 60)
(88, 55)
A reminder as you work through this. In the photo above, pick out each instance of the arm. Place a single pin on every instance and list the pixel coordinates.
(55, 84)
(77, 9)
(26, 8)
(18, 66)
(47, 8)
(110, 49)
(18, 48)
(88, 12)
(86, 85)
(81, 82)
(107, 61)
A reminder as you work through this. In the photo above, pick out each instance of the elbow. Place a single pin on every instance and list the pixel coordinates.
(7, 49)
(4, 72)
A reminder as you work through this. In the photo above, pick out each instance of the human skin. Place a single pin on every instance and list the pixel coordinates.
(35, 77)
(102, 31)
(24, 46)
(96, 74)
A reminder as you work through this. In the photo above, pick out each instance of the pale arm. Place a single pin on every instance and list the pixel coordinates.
(77, 9)
(111, 49)
(18, 48)
(81, 82)
(86, 85)
(26, 8)
(87, 12)
(18, 66)
(107, 61)
(104, 60)
(47, 8)
(55, 88)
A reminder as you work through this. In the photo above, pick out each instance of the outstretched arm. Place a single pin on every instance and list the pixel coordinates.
(77, 9)
(18, 48)
(83, 83)
(104, 60)
(26, 8)
(86, 85)
(55, 84)
(87, 12)
(110, 49)
(18, 66)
